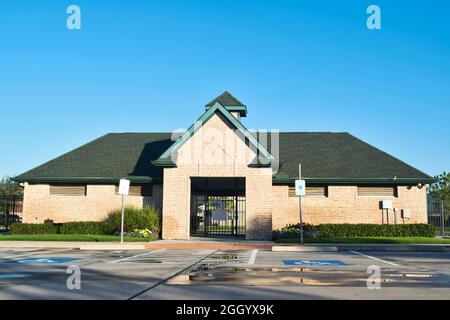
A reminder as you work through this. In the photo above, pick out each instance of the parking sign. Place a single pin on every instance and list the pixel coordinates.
(300, 188)
(124, 187)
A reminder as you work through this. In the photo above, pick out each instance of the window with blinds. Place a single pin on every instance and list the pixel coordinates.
(144, 190)
(68, 190)
(321, 191)
(377, 191)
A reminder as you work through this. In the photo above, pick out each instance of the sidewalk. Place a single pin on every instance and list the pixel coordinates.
(73, 245)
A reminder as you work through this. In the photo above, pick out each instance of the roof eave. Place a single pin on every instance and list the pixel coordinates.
(82, 180)
(353, 181)
(163, 163)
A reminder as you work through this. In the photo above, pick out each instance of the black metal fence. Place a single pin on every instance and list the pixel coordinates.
(438, 215)
(11, 208)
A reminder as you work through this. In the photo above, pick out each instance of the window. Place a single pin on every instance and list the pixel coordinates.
(317, 191)
(144, 190)
(377, 191)
(68, 190)
(311, 191)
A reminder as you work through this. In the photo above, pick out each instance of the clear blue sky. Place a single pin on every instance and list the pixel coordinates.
(152, 65)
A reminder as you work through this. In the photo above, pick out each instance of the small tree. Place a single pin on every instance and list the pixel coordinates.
(9, 187)
(441, 190)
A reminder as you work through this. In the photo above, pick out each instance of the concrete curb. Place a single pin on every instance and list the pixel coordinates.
(304, 248)
(112, 247)
(331, 247)
(395, 247)
(73, 245)
(39, 244)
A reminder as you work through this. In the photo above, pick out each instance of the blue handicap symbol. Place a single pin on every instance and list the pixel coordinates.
(44, 260)
(315, 263)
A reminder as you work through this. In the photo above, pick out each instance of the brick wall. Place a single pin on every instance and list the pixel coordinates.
(39, 205)
(343, 205)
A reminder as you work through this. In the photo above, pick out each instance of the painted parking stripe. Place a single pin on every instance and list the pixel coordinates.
(376, 259)
(252, 257)
(138, 255)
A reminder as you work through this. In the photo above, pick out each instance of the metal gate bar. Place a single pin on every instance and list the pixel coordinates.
(217, 216)
(438, 215)
(10, 211)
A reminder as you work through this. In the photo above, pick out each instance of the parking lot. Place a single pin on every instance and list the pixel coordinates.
(222, 274)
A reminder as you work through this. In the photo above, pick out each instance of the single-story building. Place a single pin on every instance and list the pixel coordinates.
(218, 178)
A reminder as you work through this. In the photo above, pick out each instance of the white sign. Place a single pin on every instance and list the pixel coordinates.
(219, 214)
(124, 187)
(386, 204)
(300, 188)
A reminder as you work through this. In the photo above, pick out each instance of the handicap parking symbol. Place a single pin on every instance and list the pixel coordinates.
(44, 260)
(315, 263)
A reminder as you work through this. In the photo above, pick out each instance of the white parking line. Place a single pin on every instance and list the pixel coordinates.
(252, 257)
(377, 259)
(138, 255)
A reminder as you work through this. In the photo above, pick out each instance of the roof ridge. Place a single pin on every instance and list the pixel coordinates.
(225, 99)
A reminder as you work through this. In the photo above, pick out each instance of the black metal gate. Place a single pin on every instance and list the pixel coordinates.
(217, 216)
(438, 215)
(10, 211)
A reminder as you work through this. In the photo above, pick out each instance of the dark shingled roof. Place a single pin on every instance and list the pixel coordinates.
(325, 157)
(226, 99)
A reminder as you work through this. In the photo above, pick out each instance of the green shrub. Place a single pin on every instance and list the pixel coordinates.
(135, 218)
(358, 230)
(375, 230)
(31, 228)
(97, 228)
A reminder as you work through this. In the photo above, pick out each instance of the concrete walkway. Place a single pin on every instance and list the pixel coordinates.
(222, 244)
(225, 244)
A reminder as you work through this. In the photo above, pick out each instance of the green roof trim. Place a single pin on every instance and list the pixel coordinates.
(241, 109)
(83, 180)
(166, 159)
(403, 181)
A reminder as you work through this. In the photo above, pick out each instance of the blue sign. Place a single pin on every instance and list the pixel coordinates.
(44, 260)
(315, 263)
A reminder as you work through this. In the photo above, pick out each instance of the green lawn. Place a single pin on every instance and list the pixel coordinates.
(69, 237)
(380, 240)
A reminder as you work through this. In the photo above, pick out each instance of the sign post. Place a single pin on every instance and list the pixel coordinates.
(124, 187)
(300, 191)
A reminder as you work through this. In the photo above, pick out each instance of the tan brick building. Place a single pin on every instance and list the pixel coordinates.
(219, 179)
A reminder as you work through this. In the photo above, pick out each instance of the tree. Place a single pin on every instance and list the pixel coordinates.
(9, 187)
(441, 188)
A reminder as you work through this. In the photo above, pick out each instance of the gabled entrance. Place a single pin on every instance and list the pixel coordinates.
(217, 207)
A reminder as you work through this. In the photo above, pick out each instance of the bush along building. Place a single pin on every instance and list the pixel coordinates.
(219, 179)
